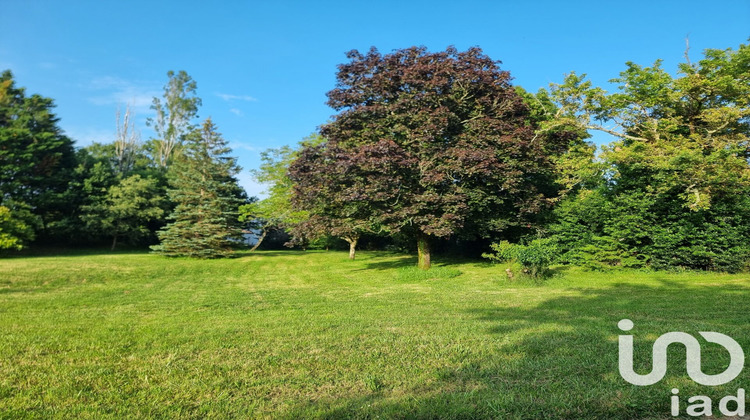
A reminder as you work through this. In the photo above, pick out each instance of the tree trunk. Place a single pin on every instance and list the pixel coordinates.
(352, 247)
(423, 251)
(262, 236)
(114, 242)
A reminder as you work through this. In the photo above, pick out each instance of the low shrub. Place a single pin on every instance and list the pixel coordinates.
(534, 257)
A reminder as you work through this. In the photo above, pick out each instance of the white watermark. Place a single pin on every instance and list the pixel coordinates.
(701, 405)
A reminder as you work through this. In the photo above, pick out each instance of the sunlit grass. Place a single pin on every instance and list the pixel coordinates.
(311, 334)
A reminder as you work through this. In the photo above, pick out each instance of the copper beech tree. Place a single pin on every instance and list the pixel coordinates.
(427, 144)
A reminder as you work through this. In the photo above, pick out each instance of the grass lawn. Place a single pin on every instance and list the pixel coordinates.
(313, 335)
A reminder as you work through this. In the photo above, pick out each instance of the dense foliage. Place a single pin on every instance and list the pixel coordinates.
(275, 212)
(36, 160)
(433, 145)
(674, 187)
(125, 210)
(16, 227)
(436, 147)
(121, 191)
(535, 257)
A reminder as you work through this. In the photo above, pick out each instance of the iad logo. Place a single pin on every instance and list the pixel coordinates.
(693, 349)
(702, 404)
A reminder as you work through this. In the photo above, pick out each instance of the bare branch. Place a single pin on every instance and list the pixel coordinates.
(127, 141)
(687, 50)
(710, 133)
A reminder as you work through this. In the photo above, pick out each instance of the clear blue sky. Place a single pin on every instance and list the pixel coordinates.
(263, 68)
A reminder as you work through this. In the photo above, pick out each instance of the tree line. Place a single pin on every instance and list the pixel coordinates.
(177, 190)
(427, 151)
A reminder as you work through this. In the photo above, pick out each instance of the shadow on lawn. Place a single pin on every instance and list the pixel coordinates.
(397, 261)
(394, 262)
(558, 360)
(275, 253)
(52, 252)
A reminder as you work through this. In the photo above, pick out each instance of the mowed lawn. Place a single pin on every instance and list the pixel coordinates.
(312, 335)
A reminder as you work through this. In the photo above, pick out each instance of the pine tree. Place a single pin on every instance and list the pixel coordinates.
(36, 159)
(203, 186)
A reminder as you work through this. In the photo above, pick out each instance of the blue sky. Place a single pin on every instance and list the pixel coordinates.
(263, 68)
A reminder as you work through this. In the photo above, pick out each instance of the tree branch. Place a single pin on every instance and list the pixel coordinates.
(614, 133)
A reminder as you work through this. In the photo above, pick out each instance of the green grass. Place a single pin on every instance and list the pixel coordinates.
(313, 335)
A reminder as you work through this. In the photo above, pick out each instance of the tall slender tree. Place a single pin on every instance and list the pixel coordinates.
(127, 142)
(174, 115)
(203, 185)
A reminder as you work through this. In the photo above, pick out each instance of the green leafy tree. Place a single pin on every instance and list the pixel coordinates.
(126, 210)
(204, 223)
(676, 184)
(102, 169)
(17, 226)
(430, 145)
(36, 159)
(321, 190)
(275, 211)
(95, 178)
(282, 210)
(174, 115)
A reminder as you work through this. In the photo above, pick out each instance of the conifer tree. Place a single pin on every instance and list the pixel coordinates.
(36, 160)
(203, 186)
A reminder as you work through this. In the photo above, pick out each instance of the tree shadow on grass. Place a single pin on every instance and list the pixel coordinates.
(276, 253)
(393, 262)
(396, 261)
(54, 252)
(558, 359)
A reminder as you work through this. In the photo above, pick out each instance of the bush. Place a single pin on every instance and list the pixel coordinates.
(534, 257)
(16, 227)
(600, 230)
(603, 253)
